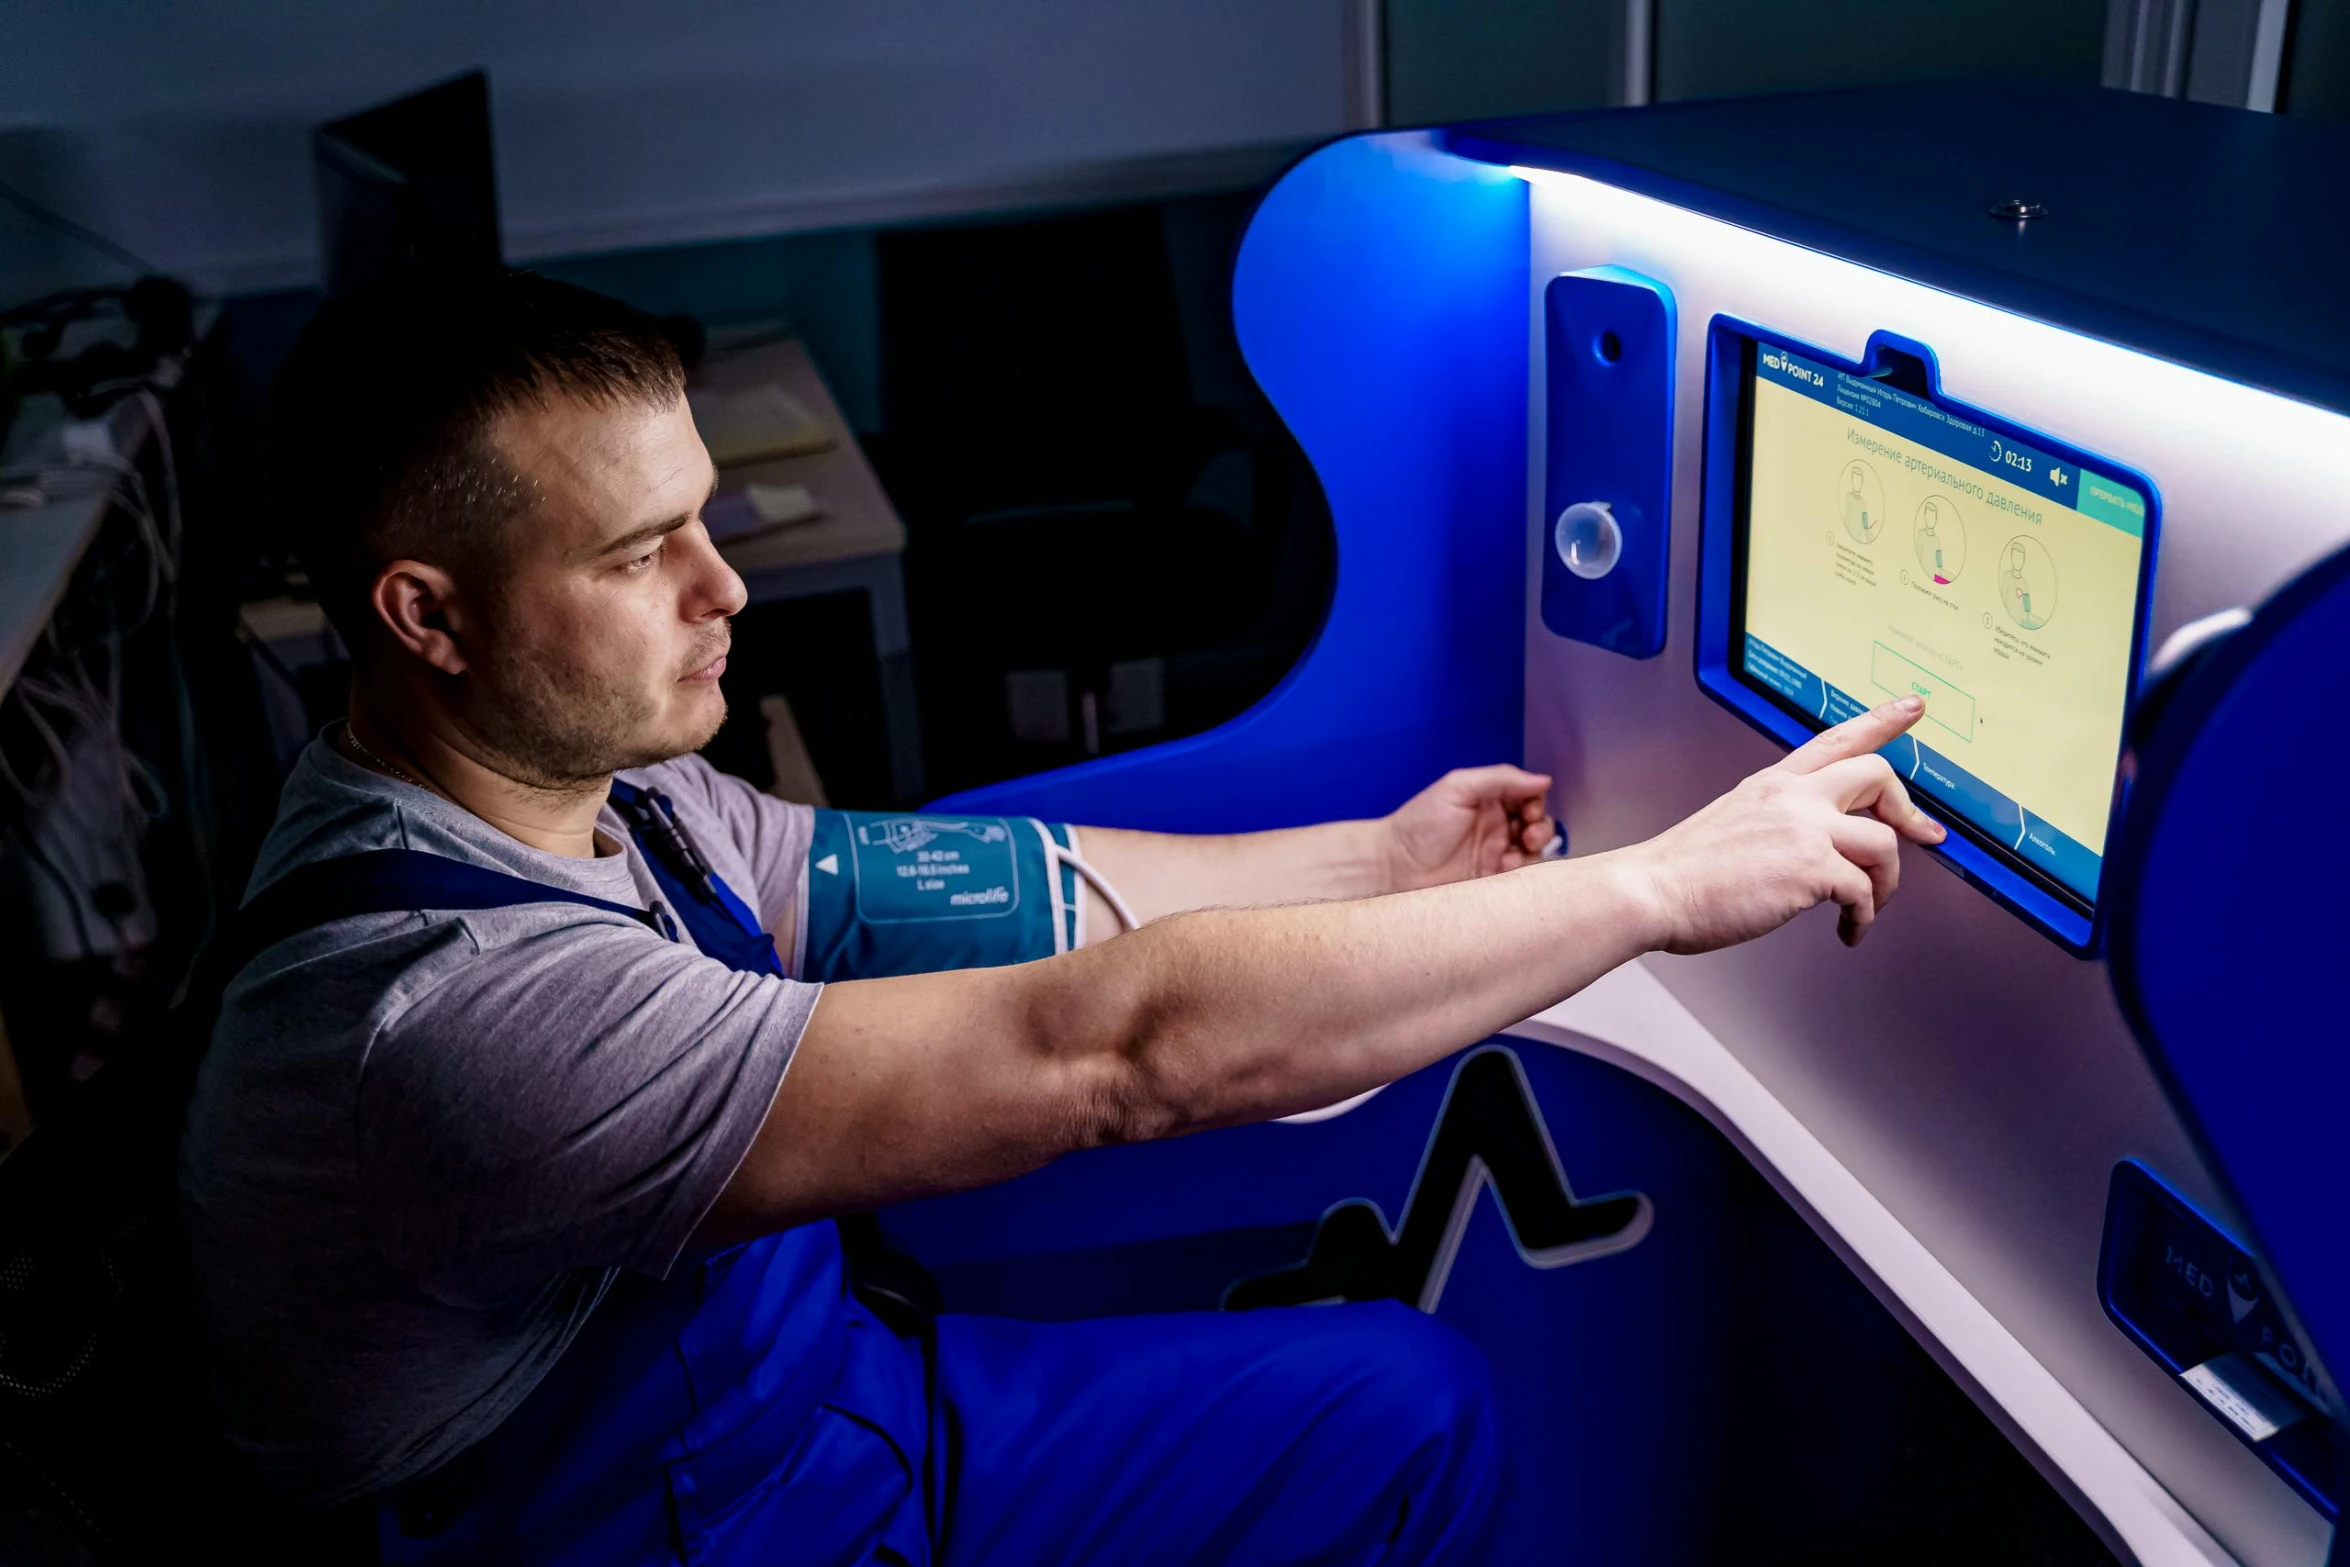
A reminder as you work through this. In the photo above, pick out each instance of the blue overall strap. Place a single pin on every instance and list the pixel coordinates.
(383, 881)
(721, 924)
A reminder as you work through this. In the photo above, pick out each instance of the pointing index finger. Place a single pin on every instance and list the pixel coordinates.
(1872, 730)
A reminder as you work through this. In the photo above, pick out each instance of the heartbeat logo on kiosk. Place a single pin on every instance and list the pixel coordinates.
(1489, 1131)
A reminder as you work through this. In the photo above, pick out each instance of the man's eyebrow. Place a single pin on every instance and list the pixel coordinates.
(644, 535)
(651, 530)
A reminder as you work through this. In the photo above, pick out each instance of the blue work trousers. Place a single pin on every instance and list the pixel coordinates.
(1321, 1434)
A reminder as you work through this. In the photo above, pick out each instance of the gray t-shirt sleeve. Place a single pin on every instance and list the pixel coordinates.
(574, 1095)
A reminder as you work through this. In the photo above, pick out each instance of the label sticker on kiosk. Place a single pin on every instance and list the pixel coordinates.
(1866, 538)
(2196, 1301)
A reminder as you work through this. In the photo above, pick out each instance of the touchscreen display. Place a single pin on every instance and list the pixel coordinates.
(1889, 546)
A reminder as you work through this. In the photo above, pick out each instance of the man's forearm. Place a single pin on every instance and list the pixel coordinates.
(1229, 1016)
(1165, 873)
(938, 1082)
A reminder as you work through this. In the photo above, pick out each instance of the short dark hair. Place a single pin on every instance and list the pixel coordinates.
(379, 423)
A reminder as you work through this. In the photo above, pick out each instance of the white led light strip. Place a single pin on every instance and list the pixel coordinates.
(2224, 455)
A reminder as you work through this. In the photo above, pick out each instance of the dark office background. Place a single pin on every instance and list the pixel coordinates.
(1003, 232)
(1005, 235)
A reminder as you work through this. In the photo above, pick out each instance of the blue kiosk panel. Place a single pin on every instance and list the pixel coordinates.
(1379, 299)
(1610, 340)
(2227, 945)
(1639, 1373)
(1388, 298)
(2198, 1302)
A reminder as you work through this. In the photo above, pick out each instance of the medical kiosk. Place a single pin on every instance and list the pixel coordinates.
(1655, 441)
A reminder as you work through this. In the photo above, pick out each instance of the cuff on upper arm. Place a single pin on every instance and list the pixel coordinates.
(896, 893)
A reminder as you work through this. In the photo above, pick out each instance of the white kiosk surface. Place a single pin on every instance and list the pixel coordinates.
(1947, 1102)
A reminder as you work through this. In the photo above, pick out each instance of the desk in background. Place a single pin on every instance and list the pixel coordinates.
(855, 541)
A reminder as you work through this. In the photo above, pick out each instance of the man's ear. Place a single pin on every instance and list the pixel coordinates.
(416, 605)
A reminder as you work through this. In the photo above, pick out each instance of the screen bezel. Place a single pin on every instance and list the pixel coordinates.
(2058, 910)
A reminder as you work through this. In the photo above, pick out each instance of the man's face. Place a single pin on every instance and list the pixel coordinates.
(600, 644)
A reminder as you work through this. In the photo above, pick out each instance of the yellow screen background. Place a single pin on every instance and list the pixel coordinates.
(2036, 712)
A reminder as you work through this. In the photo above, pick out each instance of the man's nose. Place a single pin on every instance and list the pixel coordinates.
(717, 588)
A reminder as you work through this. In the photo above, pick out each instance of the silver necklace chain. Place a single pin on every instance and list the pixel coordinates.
(395, 770)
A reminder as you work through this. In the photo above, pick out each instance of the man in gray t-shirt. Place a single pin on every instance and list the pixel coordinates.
(437, 1162)
(370, 1070)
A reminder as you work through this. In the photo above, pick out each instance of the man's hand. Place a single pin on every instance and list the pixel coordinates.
(1473, 821)
(1789, 837)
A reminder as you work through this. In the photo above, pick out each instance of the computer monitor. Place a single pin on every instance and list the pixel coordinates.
(410, 181)
(1889, 542)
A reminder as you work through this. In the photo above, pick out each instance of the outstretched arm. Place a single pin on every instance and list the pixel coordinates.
(941, 1082)
(1474, 821)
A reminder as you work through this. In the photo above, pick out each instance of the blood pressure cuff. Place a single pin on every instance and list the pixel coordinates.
(892, 894)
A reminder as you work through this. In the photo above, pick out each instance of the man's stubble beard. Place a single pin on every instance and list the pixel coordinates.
(559, 727)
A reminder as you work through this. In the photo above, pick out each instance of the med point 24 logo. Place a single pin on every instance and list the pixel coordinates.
(1788, 367)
